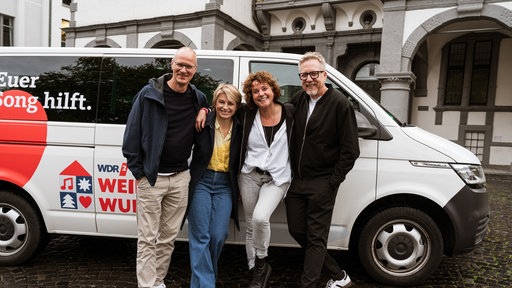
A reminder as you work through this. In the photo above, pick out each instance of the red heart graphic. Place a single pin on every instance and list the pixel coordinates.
(85, 201)
(22, 160)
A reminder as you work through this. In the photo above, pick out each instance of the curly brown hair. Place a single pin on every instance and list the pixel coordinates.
(262, 77)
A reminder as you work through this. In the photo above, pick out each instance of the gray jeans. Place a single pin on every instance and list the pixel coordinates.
(260, 197)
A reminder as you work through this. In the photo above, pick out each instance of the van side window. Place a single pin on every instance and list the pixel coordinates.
(96, 89)
(123, 77)
(287, 76)
(66, 86)
(210, 73)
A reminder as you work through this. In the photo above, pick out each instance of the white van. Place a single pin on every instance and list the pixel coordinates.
(410, 198)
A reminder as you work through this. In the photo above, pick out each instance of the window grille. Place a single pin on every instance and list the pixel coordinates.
(474, 142)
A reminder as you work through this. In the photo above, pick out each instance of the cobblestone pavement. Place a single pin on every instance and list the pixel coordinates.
(72, 261)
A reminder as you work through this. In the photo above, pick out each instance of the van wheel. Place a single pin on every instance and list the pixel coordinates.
(21, 233)
(400, 246)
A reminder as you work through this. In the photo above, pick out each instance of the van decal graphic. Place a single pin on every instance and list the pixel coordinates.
(15, 101)
(22, 160)
(75, 185)
(115, 190)
(18, 104)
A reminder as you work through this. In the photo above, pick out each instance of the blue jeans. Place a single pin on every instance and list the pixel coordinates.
(208, 223)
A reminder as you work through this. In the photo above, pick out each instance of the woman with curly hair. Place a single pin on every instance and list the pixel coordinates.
(265, 174)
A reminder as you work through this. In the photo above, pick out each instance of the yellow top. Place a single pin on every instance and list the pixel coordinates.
(220, 155)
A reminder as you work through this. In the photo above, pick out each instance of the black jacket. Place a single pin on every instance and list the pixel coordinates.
(202, 153)
(247, 116)
(327, 145)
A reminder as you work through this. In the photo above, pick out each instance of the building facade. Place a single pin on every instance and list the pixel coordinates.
(34, 22)
(448, 70)
(443, 65)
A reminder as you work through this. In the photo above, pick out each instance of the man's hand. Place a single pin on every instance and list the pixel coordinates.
(200, 119)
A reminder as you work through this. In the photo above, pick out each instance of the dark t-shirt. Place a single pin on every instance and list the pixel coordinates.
(270, 131)
(180, 130)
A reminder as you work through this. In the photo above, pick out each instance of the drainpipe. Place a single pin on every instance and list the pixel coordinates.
(50, 23)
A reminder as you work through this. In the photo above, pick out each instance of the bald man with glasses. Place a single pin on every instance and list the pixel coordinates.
(157, 144)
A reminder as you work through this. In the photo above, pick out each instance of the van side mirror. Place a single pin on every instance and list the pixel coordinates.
(364, 128)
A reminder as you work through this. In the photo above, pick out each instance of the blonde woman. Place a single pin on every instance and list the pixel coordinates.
(213, 186)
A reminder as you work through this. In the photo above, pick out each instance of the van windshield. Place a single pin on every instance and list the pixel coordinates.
(397, 121)
(400, 123)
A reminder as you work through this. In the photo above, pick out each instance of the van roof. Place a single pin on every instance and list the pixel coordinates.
(20, 51)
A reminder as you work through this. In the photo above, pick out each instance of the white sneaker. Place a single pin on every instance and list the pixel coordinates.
(160, 286)
(343, 283)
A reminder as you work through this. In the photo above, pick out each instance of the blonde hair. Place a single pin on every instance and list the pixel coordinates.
(230, 91)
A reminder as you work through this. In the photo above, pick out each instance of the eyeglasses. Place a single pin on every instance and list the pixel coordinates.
(181, 66)
(312, 74)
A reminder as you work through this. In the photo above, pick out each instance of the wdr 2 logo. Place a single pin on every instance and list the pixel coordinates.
(107, 168)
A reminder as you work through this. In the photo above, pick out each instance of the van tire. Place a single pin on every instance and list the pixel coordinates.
(400, 246)
(21, 230)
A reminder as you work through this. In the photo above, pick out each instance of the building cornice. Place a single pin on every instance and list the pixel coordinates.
(171, 21)
(272, 5)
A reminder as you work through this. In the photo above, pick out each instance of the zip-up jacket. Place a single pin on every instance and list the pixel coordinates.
(146, 128)
(327, 145)
(203, 150)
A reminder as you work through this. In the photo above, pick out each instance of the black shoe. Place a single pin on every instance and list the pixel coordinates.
(261, 273)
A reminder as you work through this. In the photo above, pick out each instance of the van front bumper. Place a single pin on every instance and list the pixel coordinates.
(469, 211)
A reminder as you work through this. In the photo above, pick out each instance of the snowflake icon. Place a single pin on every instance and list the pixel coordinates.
(84, 184)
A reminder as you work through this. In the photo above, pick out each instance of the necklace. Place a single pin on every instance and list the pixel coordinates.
(269, 137)
(225, 131)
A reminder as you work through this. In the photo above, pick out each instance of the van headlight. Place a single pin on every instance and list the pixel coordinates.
(472, 175)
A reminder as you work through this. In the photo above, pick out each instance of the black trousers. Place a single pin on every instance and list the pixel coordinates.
(309, 207)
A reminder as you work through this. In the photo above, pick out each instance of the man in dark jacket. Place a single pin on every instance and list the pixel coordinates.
(323, 150)
(157, 144)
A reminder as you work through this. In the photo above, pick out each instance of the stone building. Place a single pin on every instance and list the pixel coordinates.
(443, 65)
(34, 22)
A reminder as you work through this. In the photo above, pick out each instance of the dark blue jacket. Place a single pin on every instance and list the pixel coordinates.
(146, 128)
(203, 150)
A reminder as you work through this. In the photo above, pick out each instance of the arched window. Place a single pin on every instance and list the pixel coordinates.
(365, 78)
(469, 63)
(169, 44)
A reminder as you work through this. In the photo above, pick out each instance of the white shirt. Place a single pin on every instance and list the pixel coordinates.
(312, 105)
(274, 159)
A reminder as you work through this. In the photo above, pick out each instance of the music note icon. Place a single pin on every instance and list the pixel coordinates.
(65, 182)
